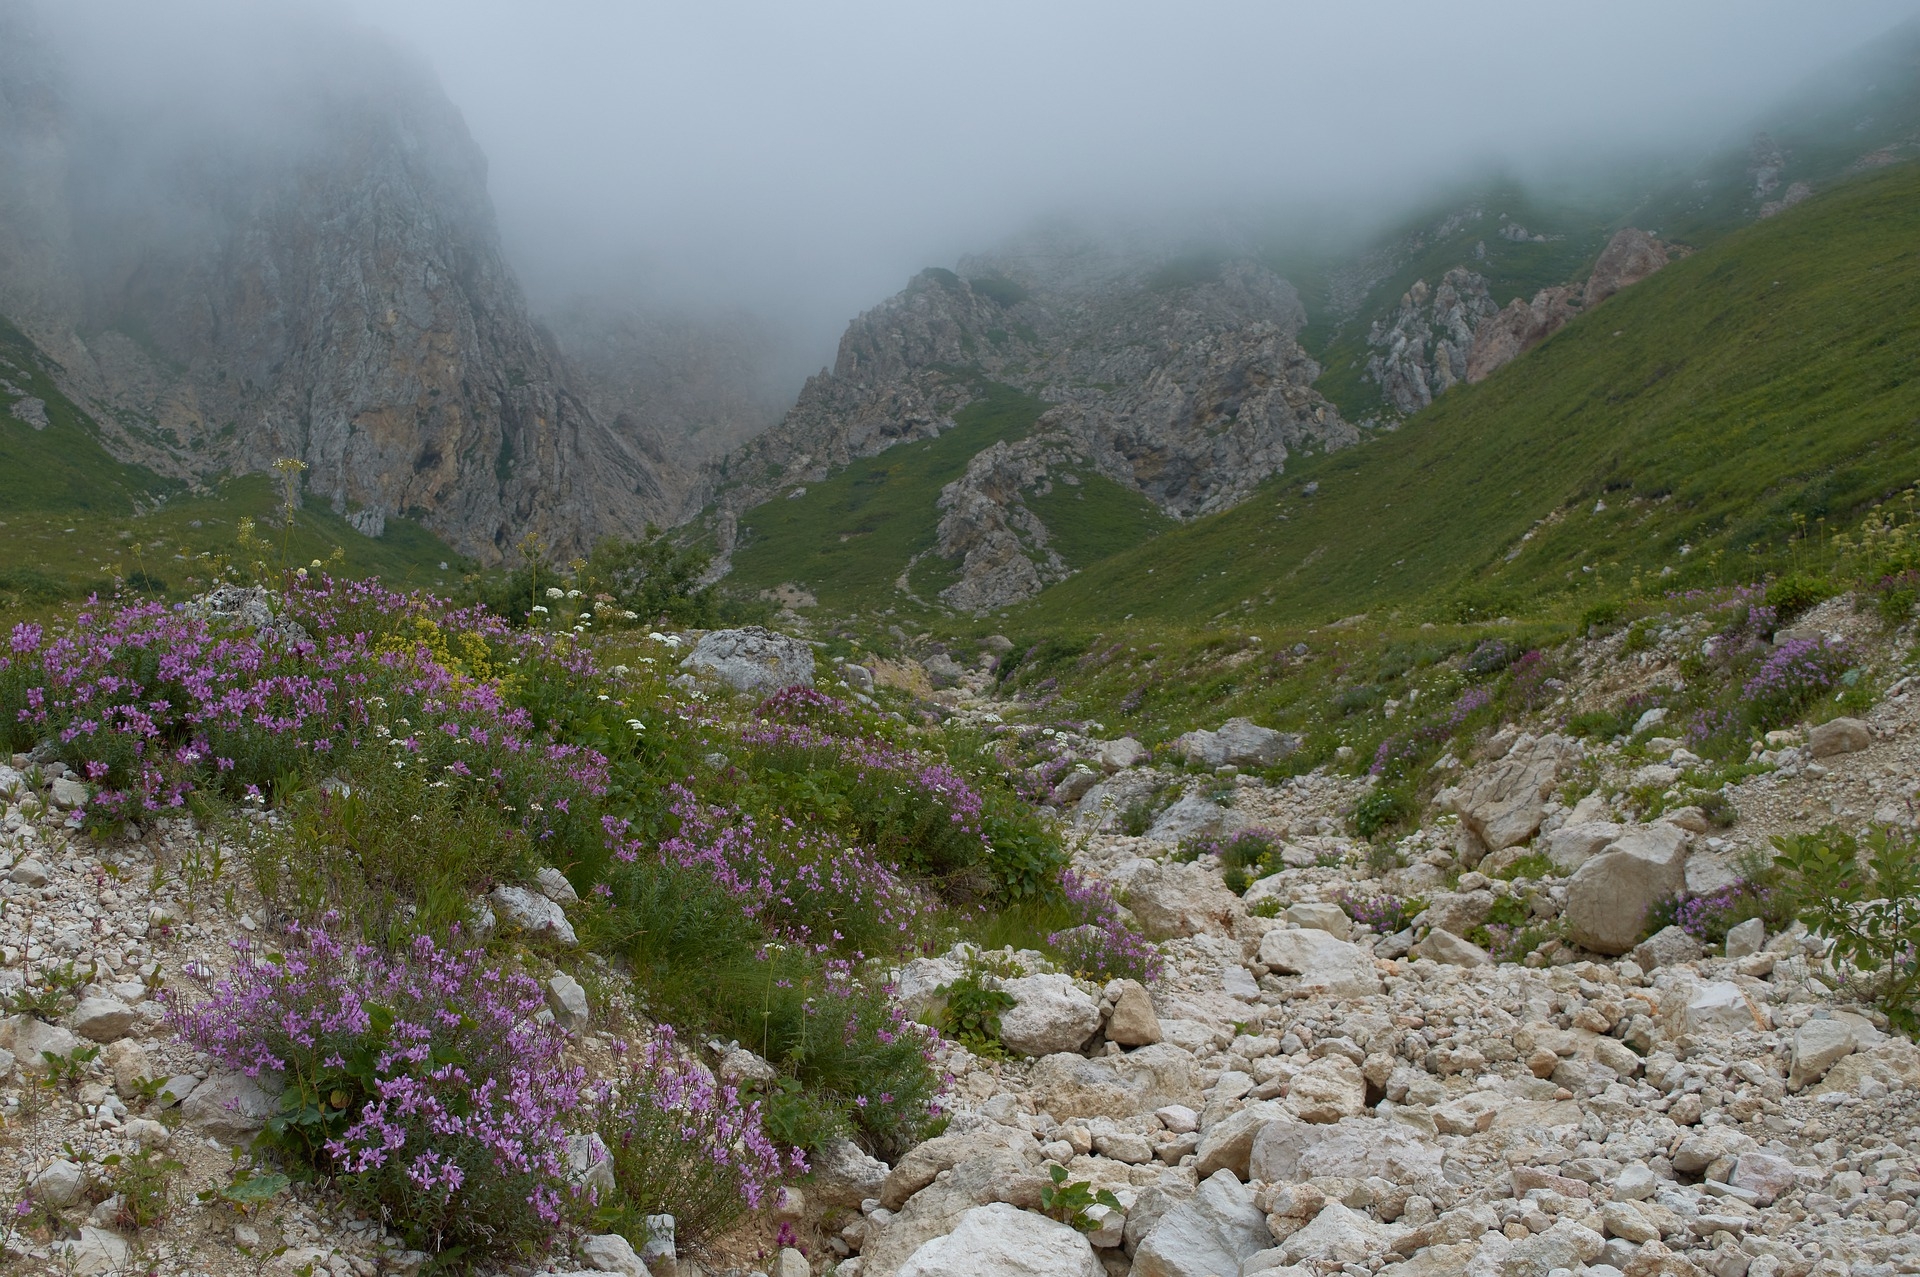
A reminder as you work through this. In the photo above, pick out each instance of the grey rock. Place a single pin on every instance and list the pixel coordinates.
(554, 886)
(1118, 755)
(32, 1040)
(103, 1019)
(999, 1240)
(1324, 964)
(60, 1184)
(1336, 1234)
(612, 1253)
(96, 1252)
(1133, 1021)
(229, 1106)
(1609, 896)
(532, 913)
(1358, 1147)
(1667, 947)
(1050, 1014)
(29, 873)
(1572, 845)
(1818, 1045)
(1504, 801)
(844, 1174)
(1839, 736)
(753, 659)
(1121, 1086)
(1445, 947)
(1745, 939)
(1194, 814)
(568, 1000)
(1329, 918)
(1173, 900)
(1228, 1143)
(1239, 742)
(1214, 1232)
(68, 793)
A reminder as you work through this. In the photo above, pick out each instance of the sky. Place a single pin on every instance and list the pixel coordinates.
(802, 160)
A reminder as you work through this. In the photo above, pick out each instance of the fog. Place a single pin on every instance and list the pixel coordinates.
(800, 161)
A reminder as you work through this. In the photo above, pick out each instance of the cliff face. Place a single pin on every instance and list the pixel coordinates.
(330, 289)
(1185, 385)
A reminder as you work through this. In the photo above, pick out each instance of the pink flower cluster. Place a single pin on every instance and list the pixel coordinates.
(1101, 944)
(424, 1081)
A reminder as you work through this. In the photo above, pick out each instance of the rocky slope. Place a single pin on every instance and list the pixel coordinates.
(1188, 390)
(323, 281)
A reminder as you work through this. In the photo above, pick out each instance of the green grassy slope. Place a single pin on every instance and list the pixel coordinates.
(1768, 377)
(851, 536)
(72, 518)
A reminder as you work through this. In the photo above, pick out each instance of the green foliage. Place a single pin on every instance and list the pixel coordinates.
(1765, 377)
(145, 1184)
(1864, 895)
(655, 577)
(1796, 593)
(1025, 854)
(970, 1013)
(51, 995)
(248, 1189)
(71, 1069)
(853, 534)
(1136, 817)
(999, 290)
(1382, 809)
(1266, 907)
(1071, 1204)
(1533, 865)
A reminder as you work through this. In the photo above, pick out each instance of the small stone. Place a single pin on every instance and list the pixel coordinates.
(68, 793)
(612, 1253)
(568, 1000)
(103, 1019)
(1133, 1022)
(60, 1185)
(532, 913)
(147, 1133)
(1667, 947)
(1763, 1174)
(792, 1264)
(1329, 918)
(1746, 939)
(1625, 1221)
(1178, 1118)
(29, 873)
(554, 886)
(1444, 947)
(97, 1252)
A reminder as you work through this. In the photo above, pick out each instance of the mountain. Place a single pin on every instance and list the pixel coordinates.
(315, 274)
(1680, 433)
(1152, 384)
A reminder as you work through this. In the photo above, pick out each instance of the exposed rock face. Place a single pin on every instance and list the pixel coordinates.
(319, 278)
(1629, 257)
(1426, 348)
(1188, 392)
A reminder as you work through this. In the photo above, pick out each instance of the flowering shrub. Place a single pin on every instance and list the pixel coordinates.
(1709, 917)
(1384, 912)
(421, 1082)
(153, 704)
(802, 887)
(1788, 680)
(682, 1144)
(805, 707)
(1100, 945)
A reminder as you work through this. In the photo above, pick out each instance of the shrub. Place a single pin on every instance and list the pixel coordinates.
(1894, 596)
(1381, 809)
(1136, 817)
(1789, 680)
(1384, 912)
(421, 1083)
(1533, 865)
(1099, 945)
(1869, 908)
(1795, 594)
(970, 1013)
(681, 1144)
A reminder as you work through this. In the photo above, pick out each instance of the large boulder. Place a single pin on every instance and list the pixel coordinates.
(1818, 1045)
(1358, 1147)
(1193, 815)
(1228, 1143)
(1050, 1013)
(1118, 755)
(1173, 900)
(1609, 896)
(1213, 1233)
(1238, 742)
(1133, 1022)
(1505, 800)
(1119, 1086)
(1574, 844)
(1327, 1090)
(1337, 1234)
(752, 659)
(920, 1165)
(844, 1174)
(1325, 965)
(1839, 736)
(229, 1106)
(1003, 1176)
(1000, 1241)
(532, 913)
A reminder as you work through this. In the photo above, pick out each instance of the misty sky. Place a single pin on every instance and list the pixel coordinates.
(804, 158)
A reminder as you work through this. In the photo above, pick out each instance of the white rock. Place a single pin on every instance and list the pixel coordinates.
(1228, 1143)
(752, 659)
(1609, 896)
(1818, 1045)
(568, 1000)
(554, 886)
(1443, 946)
(917, 984)
(1575, 843)
(1839, 736)
(29, 873)
(532, 913)
(1356, 1147)
(229, 1106)
(1337, 1234)
(1193, 814)
(1050, 1014)
(1329, 918)
(1173, 900)
(612, 1253)
(1212, 1233)
(1239, 742)
(60, 1185)
(1002, 1241)
(103, 1019)
(1746, 938)
(32, 1040)
(1324, 964)
(97, 1252)
(68, 793)
(1118, 755)
(1718, 1007)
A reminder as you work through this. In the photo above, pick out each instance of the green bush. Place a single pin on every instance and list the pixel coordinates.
(1795, 594)
(970, 1013)
(1867, 901)
(1382, 810)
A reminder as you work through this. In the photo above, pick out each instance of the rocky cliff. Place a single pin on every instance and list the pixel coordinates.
(1187, 386)
(323, 281)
